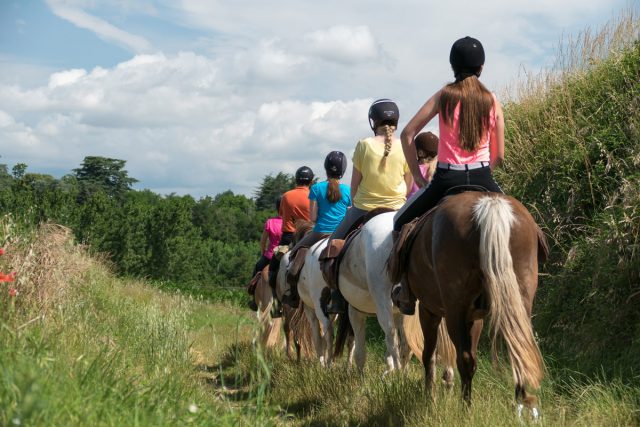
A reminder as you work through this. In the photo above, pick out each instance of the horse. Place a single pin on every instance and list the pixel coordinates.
(269, 328)
(476, 255)
(296, 329)
(367, 289)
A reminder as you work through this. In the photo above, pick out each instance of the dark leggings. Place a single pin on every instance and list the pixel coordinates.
(442, 181)
(261, 264)
(274, 264)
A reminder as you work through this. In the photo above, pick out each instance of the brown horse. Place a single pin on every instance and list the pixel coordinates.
(475, 255)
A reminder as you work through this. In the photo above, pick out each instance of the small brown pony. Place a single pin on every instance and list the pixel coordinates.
(475, 255)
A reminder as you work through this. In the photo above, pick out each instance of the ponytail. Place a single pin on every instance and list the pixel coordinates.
(333, 190)
(388, 139)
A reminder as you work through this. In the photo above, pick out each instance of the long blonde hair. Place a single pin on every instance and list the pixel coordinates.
(388, 140)
(476, 104)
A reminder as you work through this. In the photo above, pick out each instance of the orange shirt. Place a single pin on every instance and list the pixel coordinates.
(294, 205)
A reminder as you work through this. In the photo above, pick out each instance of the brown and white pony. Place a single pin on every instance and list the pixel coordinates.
(476, 255)
(297, 336)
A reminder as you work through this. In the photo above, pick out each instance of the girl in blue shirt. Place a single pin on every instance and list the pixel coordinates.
(328, 203)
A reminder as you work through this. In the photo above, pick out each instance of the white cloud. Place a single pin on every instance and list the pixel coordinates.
(270, 89)
(68, 11)
(344, 44)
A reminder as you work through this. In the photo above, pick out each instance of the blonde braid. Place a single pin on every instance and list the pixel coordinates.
(388, 140)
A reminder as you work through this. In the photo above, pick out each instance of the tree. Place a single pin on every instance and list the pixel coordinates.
(272, 187)
(103, 174)
(19, 170)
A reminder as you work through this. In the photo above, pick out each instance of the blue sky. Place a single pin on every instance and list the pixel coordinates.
(200, 97)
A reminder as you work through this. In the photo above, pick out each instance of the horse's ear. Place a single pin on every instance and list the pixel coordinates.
(543, 246)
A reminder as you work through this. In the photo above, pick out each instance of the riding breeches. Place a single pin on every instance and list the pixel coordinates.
(444, 179)
(351, 217)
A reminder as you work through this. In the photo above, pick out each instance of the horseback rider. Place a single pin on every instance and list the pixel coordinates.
(294, 206)
(471, 142)
(271, 234)
(427, 150)
(380, 177)
(328, 203)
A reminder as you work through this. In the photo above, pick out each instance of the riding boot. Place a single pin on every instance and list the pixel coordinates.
(252, 305)
(401, 295)
(338, 304)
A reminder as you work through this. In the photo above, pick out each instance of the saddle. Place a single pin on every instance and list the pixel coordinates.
(332, 255)
(400, 253)
(253, 283)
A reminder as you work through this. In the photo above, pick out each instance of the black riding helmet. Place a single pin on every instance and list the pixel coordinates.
(335, 164)
(466, 57)
(304, 175)
(383, 112)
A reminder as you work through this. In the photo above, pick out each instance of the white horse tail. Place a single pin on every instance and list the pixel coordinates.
(494, 217)
(446, 351)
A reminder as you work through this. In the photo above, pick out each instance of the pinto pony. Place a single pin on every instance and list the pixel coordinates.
(476, 255)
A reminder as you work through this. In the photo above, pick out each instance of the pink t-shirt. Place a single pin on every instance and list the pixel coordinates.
(424, 170)
(273, 227)
(449, 150)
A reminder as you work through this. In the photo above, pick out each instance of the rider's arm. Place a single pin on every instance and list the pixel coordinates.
(356, 178)
(313, 210)
(408, 179)
(496, 144)
(263, 241)
(415, 125)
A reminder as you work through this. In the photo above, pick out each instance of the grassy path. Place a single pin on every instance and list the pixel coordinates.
(106, 351)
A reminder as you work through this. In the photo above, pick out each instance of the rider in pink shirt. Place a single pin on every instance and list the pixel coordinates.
(270, 237)
(427, 150)
(471, 142)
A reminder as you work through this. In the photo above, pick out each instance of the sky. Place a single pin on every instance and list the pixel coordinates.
(200, 97)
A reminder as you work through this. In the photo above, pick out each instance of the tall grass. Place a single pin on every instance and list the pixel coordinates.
(573, 155)
(81, 347)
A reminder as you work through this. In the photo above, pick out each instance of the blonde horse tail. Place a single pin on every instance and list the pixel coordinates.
(413, 333)
(302, 331)
(494, 217)
(446, 351)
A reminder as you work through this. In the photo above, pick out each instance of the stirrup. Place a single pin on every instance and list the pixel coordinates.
(405, 307)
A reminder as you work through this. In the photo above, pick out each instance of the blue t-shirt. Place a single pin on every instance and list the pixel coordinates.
(329, 214)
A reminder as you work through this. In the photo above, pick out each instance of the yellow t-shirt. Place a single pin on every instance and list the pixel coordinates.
(381, 186)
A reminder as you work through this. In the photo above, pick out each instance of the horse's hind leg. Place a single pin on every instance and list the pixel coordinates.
(358, 323)
(465, 335)
(429, 323)
(315, 334)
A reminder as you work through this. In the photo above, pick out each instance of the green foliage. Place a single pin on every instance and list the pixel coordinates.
(271, 188)
(573, 152)
(103, 174)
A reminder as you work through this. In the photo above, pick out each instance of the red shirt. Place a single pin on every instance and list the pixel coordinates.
(294, 205)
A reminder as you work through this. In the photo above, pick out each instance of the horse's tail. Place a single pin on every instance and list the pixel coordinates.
(494, 216)
(302, 331)
(446, 351)
(345, 330)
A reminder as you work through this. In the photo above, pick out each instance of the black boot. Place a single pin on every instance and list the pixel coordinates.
(291, 297)
(401, 296)
(252, 305)
(338, 304)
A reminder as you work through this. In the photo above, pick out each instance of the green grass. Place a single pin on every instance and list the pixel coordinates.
(122, 352)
